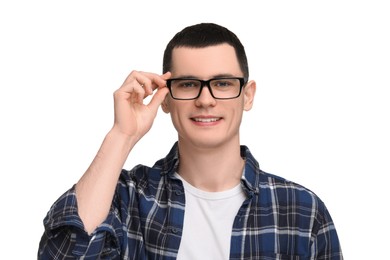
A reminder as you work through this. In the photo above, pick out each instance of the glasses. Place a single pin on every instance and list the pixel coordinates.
(220, 88)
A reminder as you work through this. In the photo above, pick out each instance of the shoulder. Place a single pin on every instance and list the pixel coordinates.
(275, 189)
(142, 175)
(291, 196)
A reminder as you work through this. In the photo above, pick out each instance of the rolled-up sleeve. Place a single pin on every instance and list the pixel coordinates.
(65, 238)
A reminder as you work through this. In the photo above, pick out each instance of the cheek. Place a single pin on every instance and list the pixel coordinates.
(238, 112)
(238, 118)
(176, 114)
(235, 113)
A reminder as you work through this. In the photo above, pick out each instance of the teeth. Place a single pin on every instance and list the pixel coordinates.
(206, 120)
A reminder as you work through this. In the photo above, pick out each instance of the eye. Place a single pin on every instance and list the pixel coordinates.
(187, 84)
(223, 83)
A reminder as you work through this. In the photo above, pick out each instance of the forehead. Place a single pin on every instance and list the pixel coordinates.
(205, 62)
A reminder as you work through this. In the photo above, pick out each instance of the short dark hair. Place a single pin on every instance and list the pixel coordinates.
(205, 35)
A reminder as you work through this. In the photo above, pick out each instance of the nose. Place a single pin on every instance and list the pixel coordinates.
(205, 98)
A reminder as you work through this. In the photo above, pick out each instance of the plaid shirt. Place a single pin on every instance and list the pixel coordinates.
(278, 220)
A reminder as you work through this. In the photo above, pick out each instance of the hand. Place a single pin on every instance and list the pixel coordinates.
(132, 117)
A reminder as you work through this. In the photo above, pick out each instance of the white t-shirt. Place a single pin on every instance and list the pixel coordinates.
(208, 222)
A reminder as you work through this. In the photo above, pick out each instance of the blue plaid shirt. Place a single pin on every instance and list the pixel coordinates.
(278, 220)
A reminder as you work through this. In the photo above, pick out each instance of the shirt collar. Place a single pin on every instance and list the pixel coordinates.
(250, 178)
(170, 163)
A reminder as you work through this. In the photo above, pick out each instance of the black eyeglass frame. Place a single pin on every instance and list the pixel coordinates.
(242, 80)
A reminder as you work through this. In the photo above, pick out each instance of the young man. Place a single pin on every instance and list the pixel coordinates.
(207, 199)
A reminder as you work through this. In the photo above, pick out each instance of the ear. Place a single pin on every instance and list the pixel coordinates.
(164, 105)
(249, 94)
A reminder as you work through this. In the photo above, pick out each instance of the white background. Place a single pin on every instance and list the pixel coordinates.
(321, 115)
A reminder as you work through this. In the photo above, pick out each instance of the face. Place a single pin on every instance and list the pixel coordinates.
(205, 121)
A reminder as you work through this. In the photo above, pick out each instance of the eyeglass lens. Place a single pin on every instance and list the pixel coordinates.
(220, 88)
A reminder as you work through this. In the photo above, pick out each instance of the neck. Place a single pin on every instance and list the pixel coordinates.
(211, 169)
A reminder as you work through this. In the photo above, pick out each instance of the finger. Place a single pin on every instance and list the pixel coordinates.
(147, 86)
(137, 86)
(166, 75)
(158, 98)
(144, 83)
(155, 80)
(141, 79)
(132, 88)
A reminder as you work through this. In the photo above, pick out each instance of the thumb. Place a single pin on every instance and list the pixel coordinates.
(158, 98)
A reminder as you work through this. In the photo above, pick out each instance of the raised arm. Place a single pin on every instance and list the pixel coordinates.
(133, 119)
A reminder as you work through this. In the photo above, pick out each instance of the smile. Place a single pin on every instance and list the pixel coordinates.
(206, 120)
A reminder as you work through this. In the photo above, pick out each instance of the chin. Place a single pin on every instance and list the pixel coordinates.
(208, 143)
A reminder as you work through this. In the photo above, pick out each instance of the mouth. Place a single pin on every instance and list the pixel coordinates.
(206, 119)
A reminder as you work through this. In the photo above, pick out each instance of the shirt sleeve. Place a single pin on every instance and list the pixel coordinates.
(325, 241)
(65, 238)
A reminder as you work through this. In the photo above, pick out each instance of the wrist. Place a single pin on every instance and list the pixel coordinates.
(124, 140)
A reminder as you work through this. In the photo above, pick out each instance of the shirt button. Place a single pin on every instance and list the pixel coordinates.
(178, 192)
(174, 230)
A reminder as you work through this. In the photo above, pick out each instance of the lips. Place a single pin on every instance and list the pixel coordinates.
(206, 119)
